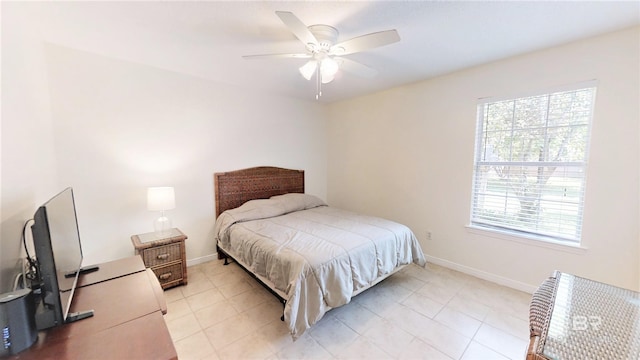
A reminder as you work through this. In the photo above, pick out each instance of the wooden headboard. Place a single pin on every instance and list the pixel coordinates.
(234, 188)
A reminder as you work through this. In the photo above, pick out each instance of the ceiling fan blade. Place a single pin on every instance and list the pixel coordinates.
(356, 68)
(365, 42)
(297, 27)
(277, 56)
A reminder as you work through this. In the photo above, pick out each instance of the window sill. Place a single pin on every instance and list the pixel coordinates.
(527, 240)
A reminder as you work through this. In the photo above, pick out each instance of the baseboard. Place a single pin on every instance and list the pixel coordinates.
(202, 259)
(482, 274)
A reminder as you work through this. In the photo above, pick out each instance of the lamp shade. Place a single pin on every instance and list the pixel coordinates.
(161, 198)
(308, 69)
(328, 70)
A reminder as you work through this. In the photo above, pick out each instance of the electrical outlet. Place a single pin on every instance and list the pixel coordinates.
(428, 234)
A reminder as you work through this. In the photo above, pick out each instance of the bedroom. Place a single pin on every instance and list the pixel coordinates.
(158, 127)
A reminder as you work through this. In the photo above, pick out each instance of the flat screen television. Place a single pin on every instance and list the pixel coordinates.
(58, 250)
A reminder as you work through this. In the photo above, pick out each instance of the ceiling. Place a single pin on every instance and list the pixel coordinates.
(208, 39)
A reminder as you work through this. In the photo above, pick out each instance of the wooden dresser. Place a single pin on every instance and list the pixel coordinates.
(128, 305)
(164, 254)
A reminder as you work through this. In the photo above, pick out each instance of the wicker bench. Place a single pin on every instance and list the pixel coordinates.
(576, 318)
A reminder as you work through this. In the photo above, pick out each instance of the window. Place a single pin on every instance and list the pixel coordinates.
(530, 164)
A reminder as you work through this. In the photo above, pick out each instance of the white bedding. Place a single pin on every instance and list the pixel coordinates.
(317, 255)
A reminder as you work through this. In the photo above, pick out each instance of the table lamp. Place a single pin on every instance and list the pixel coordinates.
(161, 199)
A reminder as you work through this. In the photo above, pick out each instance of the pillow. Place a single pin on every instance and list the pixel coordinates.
(257, 209)
(264, 208)
(296, 201)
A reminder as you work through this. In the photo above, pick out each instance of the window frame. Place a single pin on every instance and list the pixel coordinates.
(501, 227)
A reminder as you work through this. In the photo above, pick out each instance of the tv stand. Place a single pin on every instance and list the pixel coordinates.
(127, 324)
(83, 270)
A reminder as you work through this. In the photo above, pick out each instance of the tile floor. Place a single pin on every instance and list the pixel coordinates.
(431, 313)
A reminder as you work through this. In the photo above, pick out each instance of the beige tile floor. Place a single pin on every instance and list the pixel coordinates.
(430, 313)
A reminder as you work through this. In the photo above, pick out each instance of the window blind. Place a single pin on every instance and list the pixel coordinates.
(530, 163)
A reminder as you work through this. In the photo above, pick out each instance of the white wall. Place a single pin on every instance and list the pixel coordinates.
(121, 127)
(407, 154)
(112, 128)
(28, 167)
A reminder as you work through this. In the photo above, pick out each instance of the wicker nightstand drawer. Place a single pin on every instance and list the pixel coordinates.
(165, 254)
(161, 255)
(169, 274)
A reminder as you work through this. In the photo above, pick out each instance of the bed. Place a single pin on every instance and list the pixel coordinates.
(311, 256)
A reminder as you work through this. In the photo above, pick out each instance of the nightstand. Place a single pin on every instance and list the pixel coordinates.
(165, 254)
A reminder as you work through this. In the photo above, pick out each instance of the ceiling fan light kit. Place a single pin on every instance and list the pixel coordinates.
(328, 69)
(323, 52)
(307, 70)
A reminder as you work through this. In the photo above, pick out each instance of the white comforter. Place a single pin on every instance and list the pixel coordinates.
(317, 255)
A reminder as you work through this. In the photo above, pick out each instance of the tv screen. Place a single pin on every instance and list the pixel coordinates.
(65, 235)
(56, 240)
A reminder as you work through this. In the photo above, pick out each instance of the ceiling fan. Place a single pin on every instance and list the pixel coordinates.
(324, 54)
